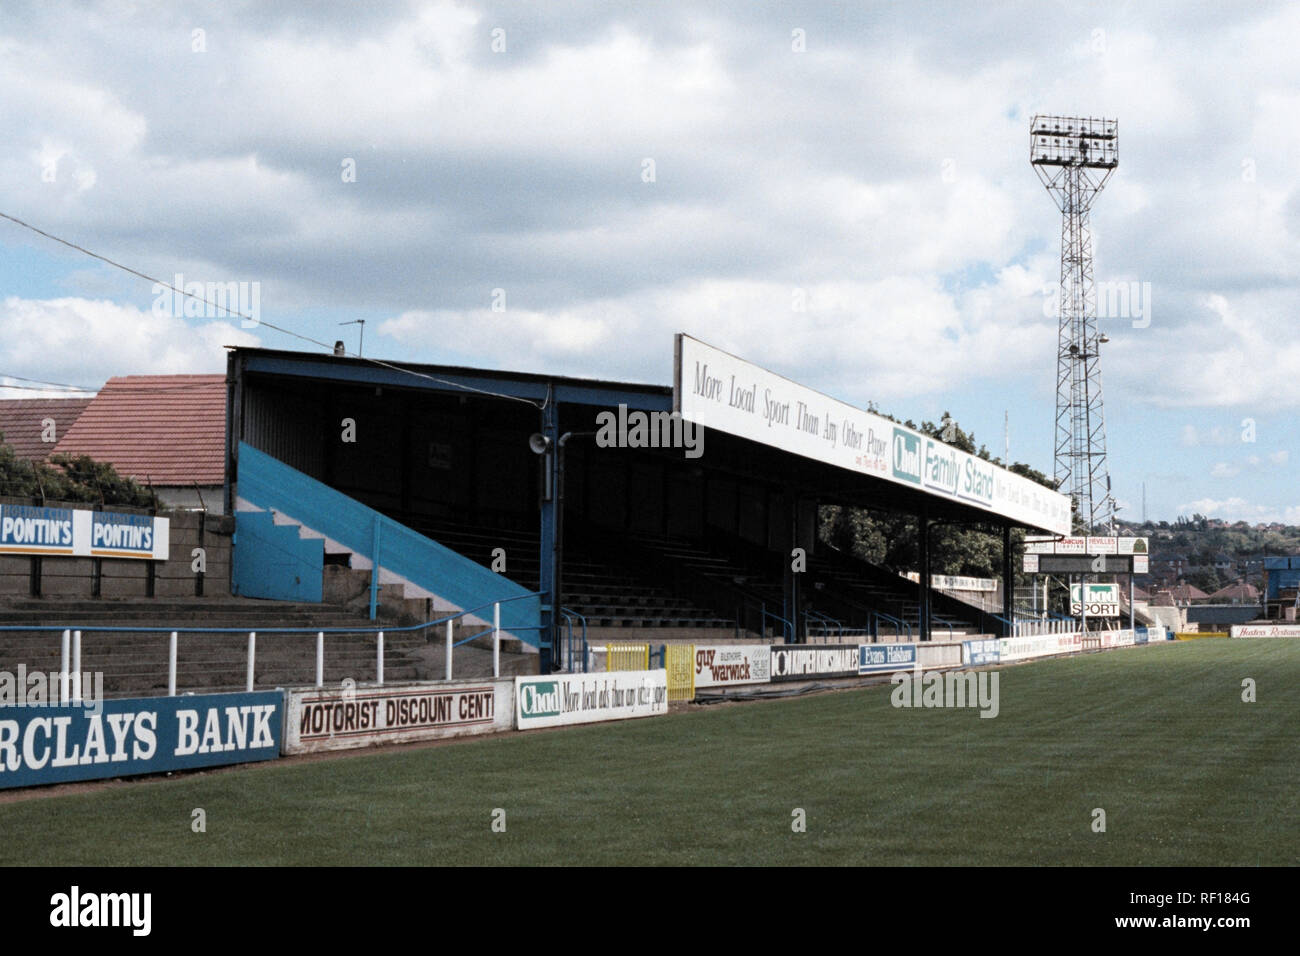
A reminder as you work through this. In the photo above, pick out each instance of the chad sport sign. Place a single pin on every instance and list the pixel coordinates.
(1103, 600)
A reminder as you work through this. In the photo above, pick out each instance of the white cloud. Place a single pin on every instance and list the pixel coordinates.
(1239, 509)
(849, 339)
(1216, 435)
(85, 341)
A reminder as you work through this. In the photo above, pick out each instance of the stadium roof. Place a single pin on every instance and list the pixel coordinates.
(823, 480)
(461, 380)
(166, 429)
(21, 423)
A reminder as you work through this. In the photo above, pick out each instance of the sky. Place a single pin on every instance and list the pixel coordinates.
(839, 193)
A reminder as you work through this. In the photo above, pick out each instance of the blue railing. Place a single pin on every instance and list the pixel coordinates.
(899, 625)
(828, 623)
(575, 651)
(787, 627)
(944, 621)
(269, 484)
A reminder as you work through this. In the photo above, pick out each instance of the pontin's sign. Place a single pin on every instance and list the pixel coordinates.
(76, 533)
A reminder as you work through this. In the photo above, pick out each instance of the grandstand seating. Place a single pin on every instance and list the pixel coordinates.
(603, 589)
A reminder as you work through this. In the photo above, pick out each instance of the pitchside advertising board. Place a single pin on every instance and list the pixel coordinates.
(43, 745)
(885, 658)
(717, 390)
(75, 533)
(559, 699)
(979, 652)
(345, 717)
(723, 665)
(809, 661)
(1265, 630)
(1041, 645)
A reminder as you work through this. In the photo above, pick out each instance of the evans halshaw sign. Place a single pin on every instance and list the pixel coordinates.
(885, 658)
(718, 390)
(40, 745)
(81, 534)
(585, 698)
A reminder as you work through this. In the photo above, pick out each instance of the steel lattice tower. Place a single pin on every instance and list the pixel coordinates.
(1074, 157)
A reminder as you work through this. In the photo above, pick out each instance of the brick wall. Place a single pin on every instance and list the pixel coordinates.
(74, 578)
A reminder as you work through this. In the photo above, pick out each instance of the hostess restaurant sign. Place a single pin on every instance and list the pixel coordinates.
(83, 534)
(41, 745)
(717, 390)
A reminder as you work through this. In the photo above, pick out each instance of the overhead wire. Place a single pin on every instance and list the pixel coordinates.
(259, 322)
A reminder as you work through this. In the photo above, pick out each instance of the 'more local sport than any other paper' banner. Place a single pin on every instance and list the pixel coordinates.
(718, 390)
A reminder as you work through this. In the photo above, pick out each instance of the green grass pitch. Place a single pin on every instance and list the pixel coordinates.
(1158, 737)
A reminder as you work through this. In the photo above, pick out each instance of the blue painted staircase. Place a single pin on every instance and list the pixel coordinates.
(285, 522)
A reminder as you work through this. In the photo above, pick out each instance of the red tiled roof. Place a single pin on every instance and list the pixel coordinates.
(1182, 593)
(1237, 592)
(21, 423)
(169, 429)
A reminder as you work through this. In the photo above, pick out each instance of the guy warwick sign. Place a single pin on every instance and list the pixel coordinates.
(718, 390)
(82, 534)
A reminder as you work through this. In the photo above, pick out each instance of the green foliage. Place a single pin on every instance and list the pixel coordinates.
(67, 478)
(890, 539)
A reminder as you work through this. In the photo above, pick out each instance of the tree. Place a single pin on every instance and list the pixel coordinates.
(68, 478)
(890, 539)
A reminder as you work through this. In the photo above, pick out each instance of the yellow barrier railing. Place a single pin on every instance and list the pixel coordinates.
(627, 657)
(679, 659)
(1194, 635)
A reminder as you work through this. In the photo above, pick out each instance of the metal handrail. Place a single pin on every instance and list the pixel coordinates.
(569, 616)
(898, 623)
(70, 662)
(944, 621)
(789, 625)
(824, 619)
(279, 630)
